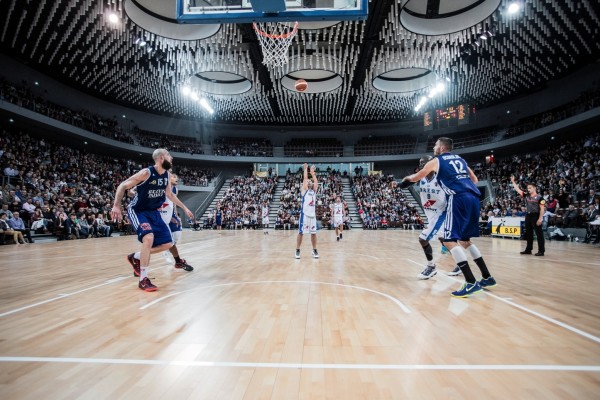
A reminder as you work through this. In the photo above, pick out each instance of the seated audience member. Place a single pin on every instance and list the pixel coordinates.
(570, 217)
(103, 228)
(592, 216)
(18, 225)
(73, 227)
(10, 232)
(38, 222)
(85, 229)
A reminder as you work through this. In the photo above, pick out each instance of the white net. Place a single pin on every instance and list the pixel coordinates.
(275, 39)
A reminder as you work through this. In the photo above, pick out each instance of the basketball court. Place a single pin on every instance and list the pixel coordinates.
(253, 322)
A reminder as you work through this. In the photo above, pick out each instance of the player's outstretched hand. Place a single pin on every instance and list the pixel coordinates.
(189, 213)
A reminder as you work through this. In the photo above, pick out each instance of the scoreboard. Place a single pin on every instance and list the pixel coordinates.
(450, 116)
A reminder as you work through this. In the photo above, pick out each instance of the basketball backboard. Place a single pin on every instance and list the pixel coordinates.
(245, 11)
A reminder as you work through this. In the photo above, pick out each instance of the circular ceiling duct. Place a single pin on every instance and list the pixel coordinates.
(159, 17)
(220, 83)
(403, 80)
(440, 18)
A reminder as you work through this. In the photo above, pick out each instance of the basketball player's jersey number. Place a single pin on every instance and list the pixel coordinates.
(458, 166)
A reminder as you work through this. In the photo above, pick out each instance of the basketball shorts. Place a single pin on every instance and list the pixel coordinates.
(265, 221)
(462, 217)
(435, 220)
(307, 224)
(175, 224)
(218, 221)
(337, 222)
(150, 221)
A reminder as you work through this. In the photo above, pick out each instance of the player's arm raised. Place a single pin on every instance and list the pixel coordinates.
(515, 186)
(431, 166)
(314, 178)
(305, 179)
(472, 175)
(130, 182)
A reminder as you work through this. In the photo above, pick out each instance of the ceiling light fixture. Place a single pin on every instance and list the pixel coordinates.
(514, 7)
(113, 18)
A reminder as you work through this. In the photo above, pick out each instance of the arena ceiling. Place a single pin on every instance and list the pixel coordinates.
(358, 71)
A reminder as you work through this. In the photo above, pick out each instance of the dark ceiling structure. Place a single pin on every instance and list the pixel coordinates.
(377, 70)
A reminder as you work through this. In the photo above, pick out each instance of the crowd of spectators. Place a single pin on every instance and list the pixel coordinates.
(586, 101)
(385, 145)
(314, 147)
(469, 138)
(381, 206)
(241, 204)
(24, 96)
(56, 189)
(180, 144)
(243, 147)
(567, 175)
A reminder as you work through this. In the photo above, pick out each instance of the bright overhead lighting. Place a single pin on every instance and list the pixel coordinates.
(195, 97)
(142, 43)
(513, 7)
(113, 18)
(206, 106)
(186, 90)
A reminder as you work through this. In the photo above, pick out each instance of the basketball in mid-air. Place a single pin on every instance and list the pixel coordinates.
(301, 85)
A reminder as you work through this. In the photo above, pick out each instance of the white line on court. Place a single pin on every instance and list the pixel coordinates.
(410, 367)
(530, 311)
(387, 296)
(63, 295)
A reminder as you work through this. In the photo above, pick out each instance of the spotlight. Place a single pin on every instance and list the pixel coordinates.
(11, 120)
(195, 97)
(447, 79)
(186, 90)
(124, 116)
(113, 18)
(513, 7)
(37, 83)
(483, 36)
(142, 43)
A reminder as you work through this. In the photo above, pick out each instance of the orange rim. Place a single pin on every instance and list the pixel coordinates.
(270, 36)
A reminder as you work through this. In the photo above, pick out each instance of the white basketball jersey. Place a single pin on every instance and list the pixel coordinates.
(265, 212)
(166, 210)
(309, 201)
(433, 197)
(338, 210)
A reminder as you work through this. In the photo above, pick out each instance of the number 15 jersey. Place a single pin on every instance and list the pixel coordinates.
(453, 175)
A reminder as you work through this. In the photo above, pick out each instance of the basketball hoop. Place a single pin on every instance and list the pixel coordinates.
(275, 39)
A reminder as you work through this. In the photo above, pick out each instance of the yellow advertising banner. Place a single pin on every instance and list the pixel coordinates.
(508, 226)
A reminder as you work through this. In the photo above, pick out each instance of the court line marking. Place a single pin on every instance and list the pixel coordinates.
(411, 367)
(529, 311)
(387, 296)
(63, 295)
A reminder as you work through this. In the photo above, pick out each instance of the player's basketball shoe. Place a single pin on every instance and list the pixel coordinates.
(146, 285)
(455, 271)
(428, 272)
(487, 282)
(445, 250)
(338, 238)
(184, 266)
(467, 289)
(135, 263)
(341, 236)
(315, 254)
(297, 253)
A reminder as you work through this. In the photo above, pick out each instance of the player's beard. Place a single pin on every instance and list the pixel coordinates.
(166, 165)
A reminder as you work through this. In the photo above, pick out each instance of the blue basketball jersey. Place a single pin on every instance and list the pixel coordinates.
(151, 193)
(453, 175)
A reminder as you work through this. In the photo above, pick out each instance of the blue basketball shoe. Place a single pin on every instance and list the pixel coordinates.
(487, 282)
(445, 250)
(467, 289)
